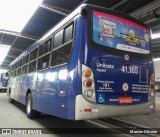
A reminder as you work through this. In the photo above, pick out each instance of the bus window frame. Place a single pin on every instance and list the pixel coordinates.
(46, 40)
(71, 22)
(61, 29)
(28, 71)
(26, 64)
(108, 49)
(19, 73)
(32, 60)
(32, 52)
(49, 38)
(23, 59)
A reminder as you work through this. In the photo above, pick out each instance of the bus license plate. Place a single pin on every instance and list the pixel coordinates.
(125, 100)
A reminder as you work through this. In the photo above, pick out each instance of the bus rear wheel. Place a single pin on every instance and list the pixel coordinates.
(29, 111)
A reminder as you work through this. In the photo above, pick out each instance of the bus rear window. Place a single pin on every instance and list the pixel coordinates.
(119, 33)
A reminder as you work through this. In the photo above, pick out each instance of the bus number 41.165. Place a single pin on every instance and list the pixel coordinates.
(129, 69)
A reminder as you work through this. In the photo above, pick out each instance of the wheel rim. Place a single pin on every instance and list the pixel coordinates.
(29, 106)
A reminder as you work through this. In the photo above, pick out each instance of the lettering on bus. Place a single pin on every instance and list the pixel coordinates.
(106, 86)
(118, 100)
(136, 88)
(130, 69)
(102, 67)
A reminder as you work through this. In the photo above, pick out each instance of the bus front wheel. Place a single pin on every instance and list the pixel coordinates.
(29, 111)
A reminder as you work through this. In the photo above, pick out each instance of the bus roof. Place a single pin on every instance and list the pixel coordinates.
(48, 33)
(66, 19)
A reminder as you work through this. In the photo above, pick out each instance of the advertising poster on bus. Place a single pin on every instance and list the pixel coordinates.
(119, 33)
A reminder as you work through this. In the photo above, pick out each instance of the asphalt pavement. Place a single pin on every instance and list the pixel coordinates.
(148, 121)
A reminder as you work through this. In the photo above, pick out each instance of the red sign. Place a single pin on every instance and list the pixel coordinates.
(125, 100)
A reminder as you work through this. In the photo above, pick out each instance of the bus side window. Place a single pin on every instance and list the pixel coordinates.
(68, 33)
(19, 71)
(12, 67)
(48, 46)
(41, 49)
(24, 69)
(15, 72)
(25, 59)
(58, 39)
(32, 66)
(43, 62)
(61, 55)
(45, 47)
(33, 54)
(44, 54)
(20, 63)
(16, 65)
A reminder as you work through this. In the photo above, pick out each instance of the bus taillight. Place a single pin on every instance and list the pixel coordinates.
(88, 85)
(87, 73)
(152, 86)
(152, 78)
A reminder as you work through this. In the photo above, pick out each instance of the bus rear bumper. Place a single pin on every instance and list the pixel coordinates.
(87, 110)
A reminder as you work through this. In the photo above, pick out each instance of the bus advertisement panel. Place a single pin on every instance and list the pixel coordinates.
(119, 33)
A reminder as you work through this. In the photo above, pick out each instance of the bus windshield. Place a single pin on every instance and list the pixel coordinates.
(119, 33)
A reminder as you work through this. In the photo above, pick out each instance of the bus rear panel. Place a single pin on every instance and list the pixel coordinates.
(117, 68)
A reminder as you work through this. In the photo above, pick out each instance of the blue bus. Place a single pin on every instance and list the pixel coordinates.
(95, 63)
(3, 82)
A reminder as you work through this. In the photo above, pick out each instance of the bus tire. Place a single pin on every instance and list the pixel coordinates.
(29, 111)
(10, 99)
